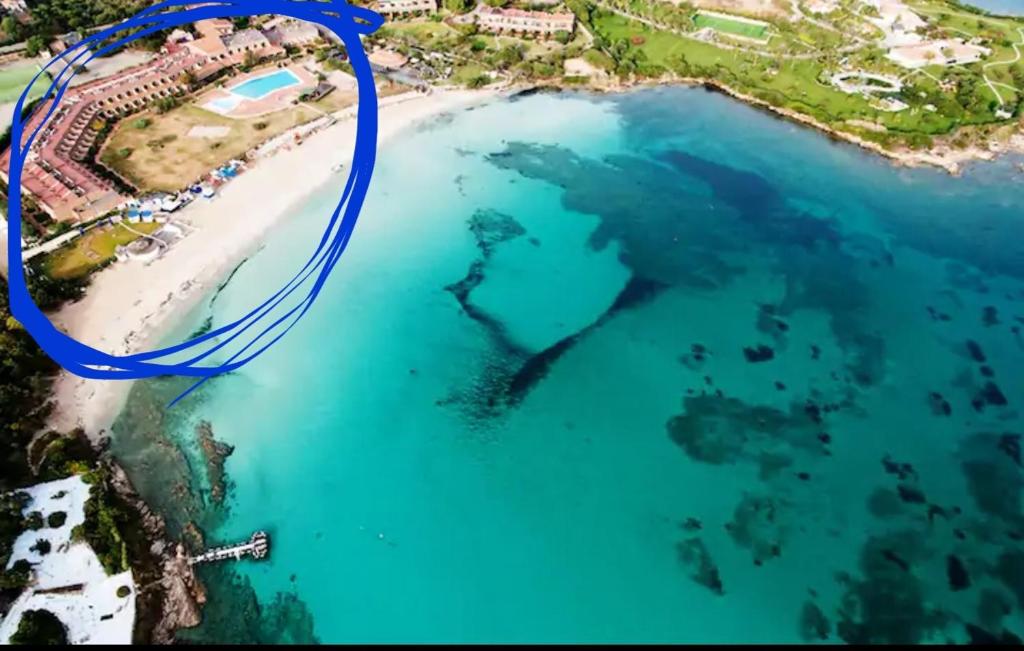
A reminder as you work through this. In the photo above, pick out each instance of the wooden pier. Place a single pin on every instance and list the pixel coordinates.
(258, 546)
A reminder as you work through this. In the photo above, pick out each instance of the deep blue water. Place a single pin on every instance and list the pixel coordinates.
(647, 367)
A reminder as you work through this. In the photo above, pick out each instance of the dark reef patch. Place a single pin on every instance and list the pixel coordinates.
(695, 557)
(994, 478)
(758, 353)
(491, 227)
(756, 525)
(957, 574)
(722, 430)
(888, 604)
(814, 625)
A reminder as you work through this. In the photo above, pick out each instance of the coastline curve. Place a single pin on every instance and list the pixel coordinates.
(348, 23)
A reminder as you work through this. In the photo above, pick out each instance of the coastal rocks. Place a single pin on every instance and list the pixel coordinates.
(215, 453)
(170, 595)
(696, 558)
(183, 597)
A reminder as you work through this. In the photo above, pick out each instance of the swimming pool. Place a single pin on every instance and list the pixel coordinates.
(223, 105)
(260, 87)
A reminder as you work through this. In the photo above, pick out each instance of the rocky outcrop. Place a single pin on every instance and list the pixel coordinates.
(183, 596)
(216, 453)
(170, 595)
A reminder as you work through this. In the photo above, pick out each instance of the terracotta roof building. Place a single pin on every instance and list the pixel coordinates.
(518, 20)
(293, 33)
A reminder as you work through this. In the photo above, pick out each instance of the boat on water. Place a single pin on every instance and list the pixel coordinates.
(337, 167)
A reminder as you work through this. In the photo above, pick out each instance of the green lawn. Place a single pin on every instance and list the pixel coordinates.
(92, 249)
(793, 84)
(16, 76)
(737, 27)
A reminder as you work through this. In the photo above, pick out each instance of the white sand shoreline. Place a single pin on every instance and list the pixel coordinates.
(229, 228)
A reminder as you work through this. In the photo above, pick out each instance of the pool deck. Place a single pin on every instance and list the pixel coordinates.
(250, 108)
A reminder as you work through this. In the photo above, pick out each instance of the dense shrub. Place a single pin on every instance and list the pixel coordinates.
(40, 627)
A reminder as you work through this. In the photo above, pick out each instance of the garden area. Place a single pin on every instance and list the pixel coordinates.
(92, 250)
(802, 84)
(167, 151)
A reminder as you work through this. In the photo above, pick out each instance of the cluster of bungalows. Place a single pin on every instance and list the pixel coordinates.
(57, 170)
(399, 7)
(521, 21)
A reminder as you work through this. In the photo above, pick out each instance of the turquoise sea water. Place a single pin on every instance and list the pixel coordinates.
(649, 367)
(999, 7)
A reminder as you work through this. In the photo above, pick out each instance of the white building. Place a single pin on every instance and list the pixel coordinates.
(520, 21)
(390, 7)
(947, 52)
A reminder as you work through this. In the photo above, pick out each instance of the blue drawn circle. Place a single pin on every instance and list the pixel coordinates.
(344, 20)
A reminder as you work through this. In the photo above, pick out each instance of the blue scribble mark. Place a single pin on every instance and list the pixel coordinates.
(272, 319)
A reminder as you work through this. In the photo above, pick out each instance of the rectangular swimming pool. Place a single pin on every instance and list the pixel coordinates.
(259, 87)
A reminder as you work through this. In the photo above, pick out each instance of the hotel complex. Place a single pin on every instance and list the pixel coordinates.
(521, 21)
(58, 172)
(392, 7)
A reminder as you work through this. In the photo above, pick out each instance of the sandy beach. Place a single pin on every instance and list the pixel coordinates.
(130, 305)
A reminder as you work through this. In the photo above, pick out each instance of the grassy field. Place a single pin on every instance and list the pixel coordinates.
(92, 249)
(162, 156)
(737, 27)
(14, 77)
(792, 84)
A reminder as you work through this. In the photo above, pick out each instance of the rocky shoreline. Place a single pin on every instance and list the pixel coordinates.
(170, 595)
(944, 157)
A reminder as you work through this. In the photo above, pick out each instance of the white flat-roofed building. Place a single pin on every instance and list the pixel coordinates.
(946, 52)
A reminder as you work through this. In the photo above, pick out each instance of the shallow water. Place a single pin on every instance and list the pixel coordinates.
(651, 367)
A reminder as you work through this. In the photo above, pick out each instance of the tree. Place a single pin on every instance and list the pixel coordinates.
(34, 45)
(458, 6)
(250, 60)
(11, 28)
(40, 627)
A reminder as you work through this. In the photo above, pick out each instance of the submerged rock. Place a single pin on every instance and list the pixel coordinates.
(956, 573)
(814, 626)
(758, 527)
(694, 555)
(995, 478)
(759, 353)
(888, 605)
(215, 453)
(722, 430)
(975, 351)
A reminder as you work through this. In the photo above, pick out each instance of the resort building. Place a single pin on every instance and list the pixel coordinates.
(293, 33)
(58, 171)
(494, 19)
(390, 7)
(214, 27)
(947, 52)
